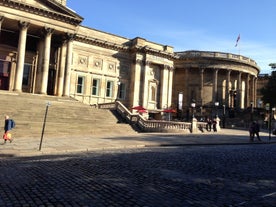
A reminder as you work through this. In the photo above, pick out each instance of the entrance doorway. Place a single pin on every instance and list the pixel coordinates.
(51, 81)
(4, 75)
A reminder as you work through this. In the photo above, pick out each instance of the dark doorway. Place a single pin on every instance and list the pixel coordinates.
(51, 81)
(4, 75)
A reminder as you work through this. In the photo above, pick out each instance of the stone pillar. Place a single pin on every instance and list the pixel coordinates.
(227, 95)
(1, 21)
(69, 55)
(201, 85)
(194, 125)
(247, 89)
(170, 86)
(254, 92)
(144, 94)
(164, 88)
(215, 86)
(239, 90)
(21, 56)
(61, 72)
(46, 60)
(136, 81)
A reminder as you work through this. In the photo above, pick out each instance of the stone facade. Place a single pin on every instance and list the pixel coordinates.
(44, 49)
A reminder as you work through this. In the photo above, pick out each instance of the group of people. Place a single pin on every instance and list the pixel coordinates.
(8, 126)
(211, 124)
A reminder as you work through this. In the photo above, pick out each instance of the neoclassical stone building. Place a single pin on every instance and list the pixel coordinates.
(44, 49)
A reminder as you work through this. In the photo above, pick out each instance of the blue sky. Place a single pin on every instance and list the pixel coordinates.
(208, 25)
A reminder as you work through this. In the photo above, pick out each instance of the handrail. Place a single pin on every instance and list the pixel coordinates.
(150, 125)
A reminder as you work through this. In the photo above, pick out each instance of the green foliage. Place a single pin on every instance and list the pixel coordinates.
(269, 91)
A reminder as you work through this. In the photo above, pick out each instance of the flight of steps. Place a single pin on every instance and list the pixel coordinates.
(65, 117)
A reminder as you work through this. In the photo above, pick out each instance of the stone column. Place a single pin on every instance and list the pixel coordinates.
(145, 87)
(201, 85)
(136, 81)
(46, 60)
(247, 89)
(227, 95)
(239, 90)
(254, 86)
(69, 55)
(21, 55)
(1, 21)
(164, 88)
(170, 86)
(62, 59)
(215, 86)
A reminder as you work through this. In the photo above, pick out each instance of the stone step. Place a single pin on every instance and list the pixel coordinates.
(65, 117)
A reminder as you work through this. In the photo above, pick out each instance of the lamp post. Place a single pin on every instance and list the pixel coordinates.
(44, 123)
(118, 91)
(216, 105)
(223, 117)
(271, 114)
(193, 105)
(194, 124)
(252, 110)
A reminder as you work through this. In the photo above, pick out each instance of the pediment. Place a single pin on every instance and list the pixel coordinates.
(51, 8)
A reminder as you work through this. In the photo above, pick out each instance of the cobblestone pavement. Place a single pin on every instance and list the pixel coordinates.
(222, 176)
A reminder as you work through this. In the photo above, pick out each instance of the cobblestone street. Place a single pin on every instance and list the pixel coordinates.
(234, 175)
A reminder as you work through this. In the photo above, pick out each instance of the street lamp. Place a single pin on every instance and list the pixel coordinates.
(252, 110)
(271, 114)
(223, 118)
(193, 105)
(119, 89)
(216, 105)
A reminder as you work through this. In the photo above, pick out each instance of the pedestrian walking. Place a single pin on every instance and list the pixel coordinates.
(254, 129)
(257, 130)
(209, 124)
(8, 126)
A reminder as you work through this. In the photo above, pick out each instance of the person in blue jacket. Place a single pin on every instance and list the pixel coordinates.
(9, 125)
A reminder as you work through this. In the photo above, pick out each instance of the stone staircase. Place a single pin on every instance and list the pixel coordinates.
(65, 117)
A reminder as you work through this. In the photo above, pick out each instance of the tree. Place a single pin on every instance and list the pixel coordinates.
(269, 91)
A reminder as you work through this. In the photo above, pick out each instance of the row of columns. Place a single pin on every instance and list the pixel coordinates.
(63, 84)
(249, 96)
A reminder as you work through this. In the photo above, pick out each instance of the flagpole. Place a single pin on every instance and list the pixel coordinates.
(238, 44)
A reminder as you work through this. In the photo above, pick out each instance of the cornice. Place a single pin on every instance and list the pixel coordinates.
(101, 43)
(152, 51)
(197, 55)
(125, 48)
(41, 12)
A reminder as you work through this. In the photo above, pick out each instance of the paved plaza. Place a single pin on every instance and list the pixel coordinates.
(156, 170)
(237, 175)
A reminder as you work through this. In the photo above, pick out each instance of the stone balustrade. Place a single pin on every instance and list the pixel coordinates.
(153, 125)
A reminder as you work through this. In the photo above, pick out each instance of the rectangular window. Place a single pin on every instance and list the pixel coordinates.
(80, 84)
(122, 91)
(95, 87)
(109, 89)
(26, 74)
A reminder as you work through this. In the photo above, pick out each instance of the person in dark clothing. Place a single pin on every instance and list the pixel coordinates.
(254, 129)
(257, 130)
(215, 125)
(209, 124)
